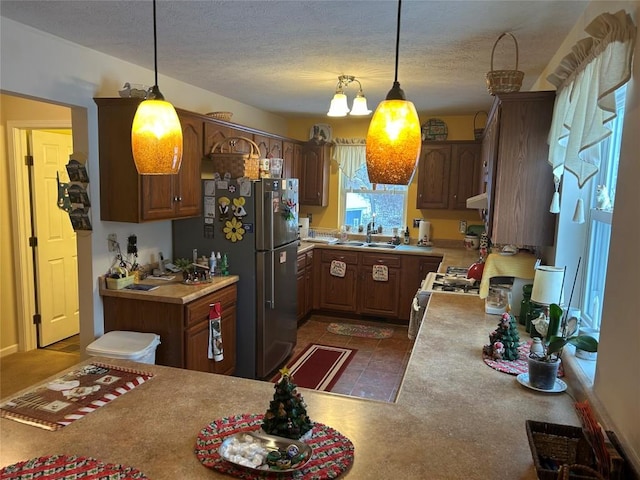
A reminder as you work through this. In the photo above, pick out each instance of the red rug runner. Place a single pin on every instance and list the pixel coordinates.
(319, 366)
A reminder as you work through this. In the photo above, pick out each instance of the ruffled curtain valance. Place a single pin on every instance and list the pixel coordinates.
(350, 154)
(586, 80)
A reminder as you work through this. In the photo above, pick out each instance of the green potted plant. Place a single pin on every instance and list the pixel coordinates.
(543, 367)
(186, 267)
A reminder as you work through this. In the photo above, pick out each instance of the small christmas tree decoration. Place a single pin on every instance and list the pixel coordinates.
(287, 413)
(504, 340)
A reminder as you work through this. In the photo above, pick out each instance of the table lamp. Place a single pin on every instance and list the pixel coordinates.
(547, 289)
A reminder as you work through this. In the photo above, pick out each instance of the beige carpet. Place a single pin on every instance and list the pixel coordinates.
(23, 369)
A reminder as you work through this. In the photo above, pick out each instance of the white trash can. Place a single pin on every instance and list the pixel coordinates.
(136, 346)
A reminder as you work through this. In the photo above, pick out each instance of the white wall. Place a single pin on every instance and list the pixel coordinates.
(617, 381)
(41, 66)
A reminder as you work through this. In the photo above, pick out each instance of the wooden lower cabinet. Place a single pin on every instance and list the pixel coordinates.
(338, 293)
(359, 293)
(305, 285)
(414, 270)
(183, 328)
(376, 297)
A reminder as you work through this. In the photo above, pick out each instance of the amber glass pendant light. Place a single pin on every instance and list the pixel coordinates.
(156, 133)
(393, 138)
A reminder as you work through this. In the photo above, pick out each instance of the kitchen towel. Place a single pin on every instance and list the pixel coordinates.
(520, 265)
(216, 352)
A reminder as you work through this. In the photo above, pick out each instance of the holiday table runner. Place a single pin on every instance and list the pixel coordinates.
(65, 467)
(332, 452)
(57, 403)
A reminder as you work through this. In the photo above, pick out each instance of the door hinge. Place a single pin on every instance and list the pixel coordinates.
(33, 242)
(37, 319)
(28, 160)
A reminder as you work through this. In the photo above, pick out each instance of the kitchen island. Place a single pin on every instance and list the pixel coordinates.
(454, 418)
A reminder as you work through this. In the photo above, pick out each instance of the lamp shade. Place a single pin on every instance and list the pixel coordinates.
(393, 143)
(547, 285)
(360, 106)
(338, 107)
(156, 138)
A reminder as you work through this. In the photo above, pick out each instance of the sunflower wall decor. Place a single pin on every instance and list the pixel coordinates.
(234, 230)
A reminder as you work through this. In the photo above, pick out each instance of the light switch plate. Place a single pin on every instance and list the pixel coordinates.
(462, 227)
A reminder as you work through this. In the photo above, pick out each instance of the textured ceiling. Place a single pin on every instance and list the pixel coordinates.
(285, 56)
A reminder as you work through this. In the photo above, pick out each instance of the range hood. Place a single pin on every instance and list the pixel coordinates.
(480, 202)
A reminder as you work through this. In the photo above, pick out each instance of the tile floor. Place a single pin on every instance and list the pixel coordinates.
(377, 369)
(375, 372)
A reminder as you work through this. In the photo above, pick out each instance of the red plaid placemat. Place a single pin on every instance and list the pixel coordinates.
(515, 367)
(56, 404)
(69, 467)
(332, 452)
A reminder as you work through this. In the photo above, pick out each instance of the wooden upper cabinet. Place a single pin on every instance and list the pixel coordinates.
(214, 133)
(126, 196)
(291, 159)
(270, 147)
(448, 174)
(465, 172)
(314, 174)
(519, 179)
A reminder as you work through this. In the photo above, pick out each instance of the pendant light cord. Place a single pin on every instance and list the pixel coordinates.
(155, 45)
(395, 79)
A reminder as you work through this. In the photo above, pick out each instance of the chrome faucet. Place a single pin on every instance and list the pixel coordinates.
(370, 229)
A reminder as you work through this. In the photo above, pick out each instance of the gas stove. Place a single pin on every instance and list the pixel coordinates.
(453, 281)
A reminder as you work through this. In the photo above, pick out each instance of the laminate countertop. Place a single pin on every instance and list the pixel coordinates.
(454, 417)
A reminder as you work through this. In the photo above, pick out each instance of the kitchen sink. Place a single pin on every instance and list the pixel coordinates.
(350, 243)
(380, 245)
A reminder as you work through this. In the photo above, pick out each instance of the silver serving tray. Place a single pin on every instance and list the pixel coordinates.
(270, 443)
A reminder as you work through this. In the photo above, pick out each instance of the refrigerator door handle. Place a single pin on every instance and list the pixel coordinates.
(268, 212)
(271, 302)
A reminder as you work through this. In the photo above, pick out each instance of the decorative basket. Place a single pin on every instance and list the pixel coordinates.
(237, 164)
(226, 116)
(119, 283)
(477, 132)
(562, 452)
(504, 81)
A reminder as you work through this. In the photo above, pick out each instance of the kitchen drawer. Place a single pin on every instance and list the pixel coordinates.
(346, 257)
(198, 310)
(302, 262)
(380, 259)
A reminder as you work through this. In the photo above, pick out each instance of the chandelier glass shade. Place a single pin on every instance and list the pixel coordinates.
(339, 106)
(394, 138)
(156, 133)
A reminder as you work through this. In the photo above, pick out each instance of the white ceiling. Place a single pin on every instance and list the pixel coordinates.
(285, 56)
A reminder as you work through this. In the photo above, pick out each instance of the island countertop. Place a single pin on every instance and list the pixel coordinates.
(454, 418)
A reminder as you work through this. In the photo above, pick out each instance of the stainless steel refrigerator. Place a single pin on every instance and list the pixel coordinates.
(255, 223)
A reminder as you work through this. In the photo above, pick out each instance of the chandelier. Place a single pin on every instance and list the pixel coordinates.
(339, 107)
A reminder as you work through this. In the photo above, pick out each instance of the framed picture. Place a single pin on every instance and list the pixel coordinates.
(321, 130)
(434, 129)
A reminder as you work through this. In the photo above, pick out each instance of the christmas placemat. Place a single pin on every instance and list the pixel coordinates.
(514, 367)
(332, 452)
(69, 467)
(58, 403)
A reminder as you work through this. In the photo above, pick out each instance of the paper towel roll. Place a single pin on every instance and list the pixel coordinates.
(304, 227)
(424, 229)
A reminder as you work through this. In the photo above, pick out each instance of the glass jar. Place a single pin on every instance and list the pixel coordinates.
(525, 304)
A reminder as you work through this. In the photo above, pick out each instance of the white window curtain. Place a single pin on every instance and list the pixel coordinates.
(586, 80)
(350, 154)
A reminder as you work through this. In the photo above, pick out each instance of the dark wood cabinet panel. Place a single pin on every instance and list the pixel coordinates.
(183, 329)
(465, 174)
(379, 297)
(291, 159)
(519, 179)
(314, 174)
(414, 270)
(448, 174)
(433, 176)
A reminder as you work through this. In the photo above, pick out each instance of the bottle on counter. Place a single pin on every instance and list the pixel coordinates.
(224, 266)
(406, 236)
(525, 304)
(212, 264)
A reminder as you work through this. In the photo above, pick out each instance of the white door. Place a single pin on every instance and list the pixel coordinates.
(56, 258)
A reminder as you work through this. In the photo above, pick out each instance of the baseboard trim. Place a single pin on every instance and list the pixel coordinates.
(8, 350)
